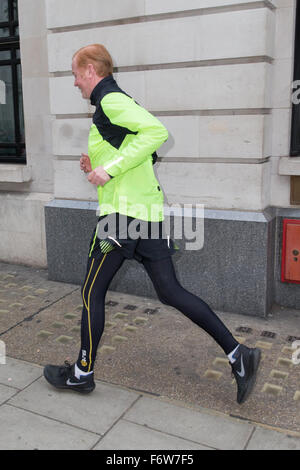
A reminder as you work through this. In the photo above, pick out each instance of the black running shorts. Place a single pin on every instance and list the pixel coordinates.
(134, 238)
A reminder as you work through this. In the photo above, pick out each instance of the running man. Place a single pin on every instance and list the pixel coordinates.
(122, 147)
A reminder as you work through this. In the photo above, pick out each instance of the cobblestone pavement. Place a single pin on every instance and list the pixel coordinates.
(153, 348)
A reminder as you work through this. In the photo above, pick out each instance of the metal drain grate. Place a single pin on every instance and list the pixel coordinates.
(244, 329)
(291, 339)
(130, 307)
(151, 311)
(110, 303)
(268, 334)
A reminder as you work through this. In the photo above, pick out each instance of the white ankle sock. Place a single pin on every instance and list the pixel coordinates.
(230, 355)
(79, 372)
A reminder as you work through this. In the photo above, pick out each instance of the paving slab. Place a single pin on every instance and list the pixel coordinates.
(130, 436)
(206, 429)
(19, 374)
(6, 393)
(23, 430)
(96, 412)
(266, 439)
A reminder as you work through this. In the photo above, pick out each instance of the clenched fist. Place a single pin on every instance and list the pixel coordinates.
(85, 163)
(98, 176)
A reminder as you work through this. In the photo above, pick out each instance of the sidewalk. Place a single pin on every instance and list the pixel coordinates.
(161, 383)
(33, 415)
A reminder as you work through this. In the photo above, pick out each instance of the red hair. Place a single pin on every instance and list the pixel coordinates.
(97, 55)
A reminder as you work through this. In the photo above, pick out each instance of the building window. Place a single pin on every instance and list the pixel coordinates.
(12, 138)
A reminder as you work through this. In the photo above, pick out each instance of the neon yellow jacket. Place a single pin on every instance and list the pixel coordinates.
(123, 138)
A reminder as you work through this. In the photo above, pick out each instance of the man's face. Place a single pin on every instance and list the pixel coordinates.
(82, 80)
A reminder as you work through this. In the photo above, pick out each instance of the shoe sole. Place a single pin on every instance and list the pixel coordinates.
(256, 353)
(69, 387)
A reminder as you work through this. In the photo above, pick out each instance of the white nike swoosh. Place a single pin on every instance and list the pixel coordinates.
(242, 372)
(77, 383)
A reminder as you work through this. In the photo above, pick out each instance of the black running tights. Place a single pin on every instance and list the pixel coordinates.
(99, 274)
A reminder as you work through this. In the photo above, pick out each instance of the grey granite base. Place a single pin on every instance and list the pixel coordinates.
(237, 270)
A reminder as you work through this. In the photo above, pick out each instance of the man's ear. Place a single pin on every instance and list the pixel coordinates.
(91, 70)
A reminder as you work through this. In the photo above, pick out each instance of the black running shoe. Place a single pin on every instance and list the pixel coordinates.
(244, 370)
(64, 377)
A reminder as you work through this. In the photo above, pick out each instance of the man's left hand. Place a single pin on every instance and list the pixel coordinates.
(99, 176)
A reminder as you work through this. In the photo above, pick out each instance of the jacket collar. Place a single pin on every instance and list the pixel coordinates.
(97, 91)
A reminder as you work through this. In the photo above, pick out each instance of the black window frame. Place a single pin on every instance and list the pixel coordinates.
(11, 43)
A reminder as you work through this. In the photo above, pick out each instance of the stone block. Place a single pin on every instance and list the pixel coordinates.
(229, 181)
(213, 136)
(237, 86)
(70, 12)
(23, 242)
(80, 188)
(158, 7)
(240, 34)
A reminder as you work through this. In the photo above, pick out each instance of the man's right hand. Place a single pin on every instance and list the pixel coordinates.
(85, 163)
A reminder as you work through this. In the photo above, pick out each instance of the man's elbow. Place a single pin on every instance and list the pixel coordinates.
(164, 134)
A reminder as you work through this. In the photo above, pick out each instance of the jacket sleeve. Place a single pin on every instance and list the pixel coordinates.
(150, 134)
